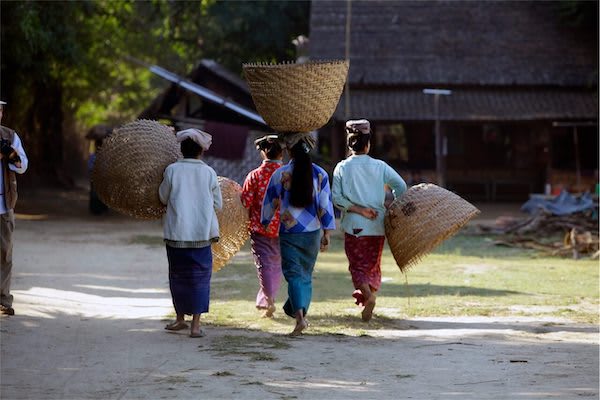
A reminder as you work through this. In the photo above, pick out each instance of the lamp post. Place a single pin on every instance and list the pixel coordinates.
(441, 145)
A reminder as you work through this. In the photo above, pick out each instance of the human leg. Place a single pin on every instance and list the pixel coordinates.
(301, 324)
(195, 330)
(364, 259)
(267, 257)
(178, 324)
(7, 225)
(370, 300)
(298, 255)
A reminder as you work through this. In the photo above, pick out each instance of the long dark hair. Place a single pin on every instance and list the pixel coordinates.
(301, 191)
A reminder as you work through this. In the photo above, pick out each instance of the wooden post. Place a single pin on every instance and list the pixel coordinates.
(440, 137)
(577, 157)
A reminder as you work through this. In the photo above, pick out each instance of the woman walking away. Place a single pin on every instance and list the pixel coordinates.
(300, 189)
(192, 194)
(264, 240)
(358, 190)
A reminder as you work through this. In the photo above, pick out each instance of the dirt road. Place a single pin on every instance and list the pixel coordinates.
(89, 325)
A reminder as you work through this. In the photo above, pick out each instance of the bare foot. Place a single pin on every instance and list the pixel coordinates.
(176, 326)
(367, 312)
(197, 333)
(299, 328)
(269, 311)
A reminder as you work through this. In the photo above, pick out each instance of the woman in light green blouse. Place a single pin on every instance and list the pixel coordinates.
(359, 192)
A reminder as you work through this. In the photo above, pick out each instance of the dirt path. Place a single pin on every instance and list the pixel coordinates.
(89, 325)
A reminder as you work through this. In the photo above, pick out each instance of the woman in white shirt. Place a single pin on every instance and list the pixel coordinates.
(191, 191)
(358, 191)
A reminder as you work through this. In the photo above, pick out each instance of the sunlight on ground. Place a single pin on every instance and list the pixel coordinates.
(127, 290)
(351, 386)
(31, 217)
(45, 302)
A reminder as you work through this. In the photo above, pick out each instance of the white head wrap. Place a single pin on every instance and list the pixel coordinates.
(290, 140)
(198, 136)
(358, 126)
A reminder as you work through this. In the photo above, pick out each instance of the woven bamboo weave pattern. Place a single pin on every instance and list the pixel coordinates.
(296, 97)
(423, 217)
(129, 168)
(233, 224)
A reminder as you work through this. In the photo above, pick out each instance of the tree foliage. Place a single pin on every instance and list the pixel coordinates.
(64, 64)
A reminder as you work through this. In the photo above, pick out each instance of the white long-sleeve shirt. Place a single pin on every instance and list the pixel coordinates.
(191, 191)
(18, 146)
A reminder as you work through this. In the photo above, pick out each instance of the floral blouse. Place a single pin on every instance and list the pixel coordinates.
(253, 192)
(318, 215)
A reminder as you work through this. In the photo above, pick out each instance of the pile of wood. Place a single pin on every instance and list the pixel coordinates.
(579, 233)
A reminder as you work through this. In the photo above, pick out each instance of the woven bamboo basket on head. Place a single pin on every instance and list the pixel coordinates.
(296, 97)
(423, 217)
(233, 224)
(129, 168)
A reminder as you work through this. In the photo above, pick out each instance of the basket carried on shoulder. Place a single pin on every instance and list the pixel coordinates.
(296, 97)
(423, 217)
(129, 168)
(233, 224)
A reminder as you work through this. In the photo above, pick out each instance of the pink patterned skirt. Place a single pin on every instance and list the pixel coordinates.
(267, 257)
(364, 256)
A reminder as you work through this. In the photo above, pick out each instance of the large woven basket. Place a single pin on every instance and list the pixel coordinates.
(296, 97)
(129, 168)
(233, 224)
(423, 217)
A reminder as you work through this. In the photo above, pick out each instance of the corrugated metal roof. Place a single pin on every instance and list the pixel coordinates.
(206, 94)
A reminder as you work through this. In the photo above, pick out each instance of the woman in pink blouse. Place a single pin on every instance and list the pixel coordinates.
(264, 240)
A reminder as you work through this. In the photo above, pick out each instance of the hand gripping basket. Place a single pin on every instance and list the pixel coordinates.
(423, 217)
(233, 224)
(129, 168)
(296, 97)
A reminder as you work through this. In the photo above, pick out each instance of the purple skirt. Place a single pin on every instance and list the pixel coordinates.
(267, 257)
(190, 271)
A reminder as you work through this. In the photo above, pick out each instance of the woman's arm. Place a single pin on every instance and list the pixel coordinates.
(248, 192)
(325, 239)
(366, 212)
(337, 191)
(394, 181)
(271, 201)
(325, 204)
(216, 192)
(164, 190)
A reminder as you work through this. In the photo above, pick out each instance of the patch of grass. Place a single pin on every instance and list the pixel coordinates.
(174, 379)
(466, 275)
(249, 347)
(223, 373)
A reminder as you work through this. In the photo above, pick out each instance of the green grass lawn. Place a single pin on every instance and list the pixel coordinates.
(465, 276)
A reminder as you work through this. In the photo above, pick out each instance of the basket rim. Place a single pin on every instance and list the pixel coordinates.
(294, 64)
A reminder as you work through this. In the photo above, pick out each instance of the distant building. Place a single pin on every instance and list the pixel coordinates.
(215, 100)
(520, 77)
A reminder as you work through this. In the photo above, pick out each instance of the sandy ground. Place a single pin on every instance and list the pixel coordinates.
(90, 316)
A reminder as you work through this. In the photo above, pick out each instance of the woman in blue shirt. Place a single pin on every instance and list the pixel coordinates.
(300, 190)
(359, 192)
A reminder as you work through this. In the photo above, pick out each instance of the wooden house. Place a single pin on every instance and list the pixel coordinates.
(523, 107)
(213, 99)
